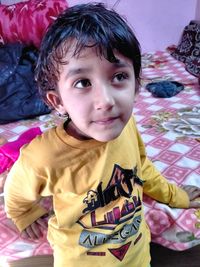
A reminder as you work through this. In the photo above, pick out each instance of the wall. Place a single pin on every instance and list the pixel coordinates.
(197, 15)
(157, 23)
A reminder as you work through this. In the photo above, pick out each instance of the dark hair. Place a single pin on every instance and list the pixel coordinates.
(90, 25)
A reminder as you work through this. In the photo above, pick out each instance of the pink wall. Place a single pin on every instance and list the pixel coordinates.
(198, 10)
(157, 23)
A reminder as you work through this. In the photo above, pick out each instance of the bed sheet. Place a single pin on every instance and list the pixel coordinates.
(170, 128)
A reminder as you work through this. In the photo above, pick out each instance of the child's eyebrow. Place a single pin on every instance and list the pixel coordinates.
(76, 71)
(122, 64)
(115, 65)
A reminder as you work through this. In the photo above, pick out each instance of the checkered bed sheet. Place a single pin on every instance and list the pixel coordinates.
(170, 128)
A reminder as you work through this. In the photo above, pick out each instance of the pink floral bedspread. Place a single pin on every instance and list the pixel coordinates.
(170, 128)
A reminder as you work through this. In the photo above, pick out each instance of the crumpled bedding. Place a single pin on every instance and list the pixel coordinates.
(9, 152)
(19, 97)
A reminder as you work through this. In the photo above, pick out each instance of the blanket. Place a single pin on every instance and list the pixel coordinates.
(19, 97)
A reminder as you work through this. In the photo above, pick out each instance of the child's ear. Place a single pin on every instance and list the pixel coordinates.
(55, 101)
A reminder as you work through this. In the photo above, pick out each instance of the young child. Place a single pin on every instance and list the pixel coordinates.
(94, 165)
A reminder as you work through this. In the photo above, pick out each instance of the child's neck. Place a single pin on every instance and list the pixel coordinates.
(73, 131)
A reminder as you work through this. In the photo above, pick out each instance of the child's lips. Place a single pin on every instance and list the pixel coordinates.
(105, 121)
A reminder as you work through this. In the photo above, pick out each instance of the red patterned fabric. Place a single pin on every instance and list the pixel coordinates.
(26, 22)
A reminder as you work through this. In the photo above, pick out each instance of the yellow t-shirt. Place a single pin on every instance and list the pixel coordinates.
(97, 191)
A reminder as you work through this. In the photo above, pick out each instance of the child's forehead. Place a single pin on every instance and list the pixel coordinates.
(76, 51)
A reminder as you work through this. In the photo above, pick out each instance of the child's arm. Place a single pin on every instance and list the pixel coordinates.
(193, 194)
(158, 188)
(22, 193)
(35, 230)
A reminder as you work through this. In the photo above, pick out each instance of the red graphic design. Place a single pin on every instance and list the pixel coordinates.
(90, 253)
(120, 252)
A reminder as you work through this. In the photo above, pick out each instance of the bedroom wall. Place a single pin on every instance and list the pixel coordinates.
(157, 23)
(197, 16)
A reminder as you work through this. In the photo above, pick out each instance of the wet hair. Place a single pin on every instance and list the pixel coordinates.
(86, 25)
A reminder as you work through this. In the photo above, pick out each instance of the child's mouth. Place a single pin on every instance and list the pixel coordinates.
(106, 121)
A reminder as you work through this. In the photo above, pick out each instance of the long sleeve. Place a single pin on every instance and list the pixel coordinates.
(157, 187)
(22, 193)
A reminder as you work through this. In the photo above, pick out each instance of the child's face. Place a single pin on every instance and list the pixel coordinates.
(98, 95)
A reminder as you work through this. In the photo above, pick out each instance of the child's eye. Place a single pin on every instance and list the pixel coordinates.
(82, 83)
(119, 77)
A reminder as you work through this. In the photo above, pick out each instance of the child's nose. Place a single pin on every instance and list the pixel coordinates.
(104, 98)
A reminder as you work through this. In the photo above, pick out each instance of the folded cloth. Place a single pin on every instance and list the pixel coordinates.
(164, 89)
(9, 152)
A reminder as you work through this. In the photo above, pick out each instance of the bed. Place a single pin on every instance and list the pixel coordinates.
(170, 128)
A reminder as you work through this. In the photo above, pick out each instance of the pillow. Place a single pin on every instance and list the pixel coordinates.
(26, 22)
(11, 2)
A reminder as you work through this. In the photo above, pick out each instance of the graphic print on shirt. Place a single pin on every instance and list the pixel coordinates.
(127, 214)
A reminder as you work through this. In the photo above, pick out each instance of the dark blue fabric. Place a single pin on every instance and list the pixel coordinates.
(164, 88)
(19, 97)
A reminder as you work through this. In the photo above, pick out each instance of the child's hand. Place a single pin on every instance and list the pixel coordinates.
(35, 230)
(193, 194)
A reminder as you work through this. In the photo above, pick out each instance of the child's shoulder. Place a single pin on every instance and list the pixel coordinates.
(43, 140)
(41, 148)
(131, 125)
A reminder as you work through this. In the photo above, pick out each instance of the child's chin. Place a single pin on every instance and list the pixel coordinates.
(106, 138)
